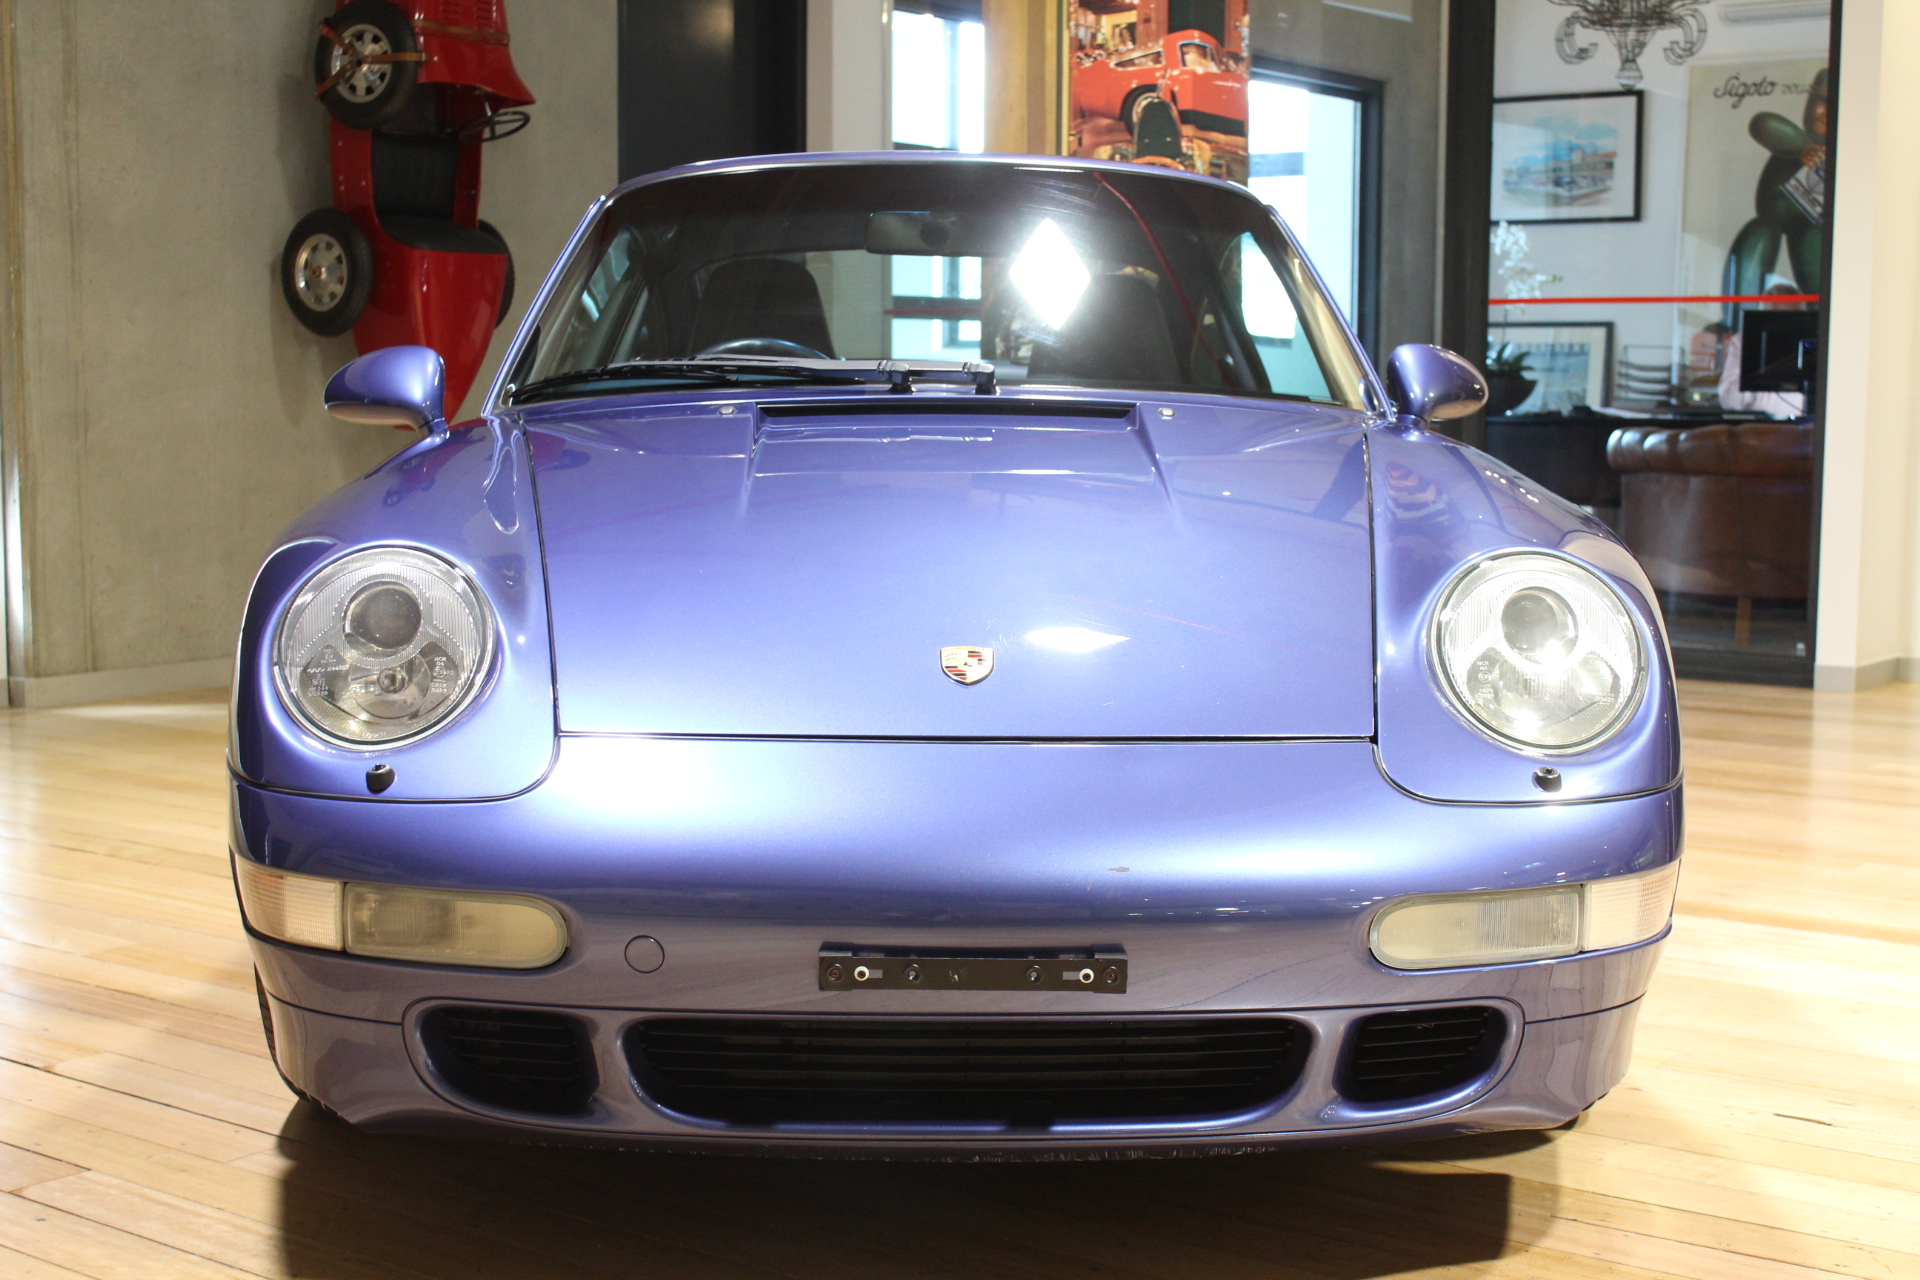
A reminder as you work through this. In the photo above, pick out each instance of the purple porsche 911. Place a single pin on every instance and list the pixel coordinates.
(947, 655)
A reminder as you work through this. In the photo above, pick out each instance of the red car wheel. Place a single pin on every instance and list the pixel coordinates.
(1135, 102)
(326, 272)
(366, 63)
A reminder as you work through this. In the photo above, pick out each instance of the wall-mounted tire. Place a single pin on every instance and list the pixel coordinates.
(326, 272)
(506, 293)
(374, 94)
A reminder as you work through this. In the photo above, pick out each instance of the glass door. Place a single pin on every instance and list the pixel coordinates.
(1656, 288)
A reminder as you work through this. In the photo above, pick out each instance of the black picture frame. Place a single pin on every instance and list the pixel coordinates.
(1602, 331)
(1507, 204)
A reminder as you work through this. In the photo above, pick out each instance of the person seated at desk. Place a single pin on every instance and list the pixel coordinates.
(1775, 404)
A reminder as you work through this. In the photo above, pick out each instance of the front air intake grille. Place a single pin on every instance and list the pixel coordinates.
(1421, 1051)
(1015, 1072)
(516, 1059)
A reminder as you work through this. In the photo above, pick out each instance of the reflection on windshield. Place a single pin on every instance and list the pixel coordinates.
(1060, 277)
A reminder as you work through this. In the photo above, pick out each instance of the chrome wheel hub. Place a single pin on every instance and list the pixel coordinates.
(367, 81)
(320, 272)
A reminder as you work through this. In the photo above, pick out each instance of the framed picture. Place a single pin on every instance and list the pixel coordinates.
(1569, 363)
(1568, 157)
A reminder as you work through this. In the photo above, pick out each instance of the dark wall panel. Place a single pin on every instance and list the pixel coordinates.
(707, 79)
(1469, 202)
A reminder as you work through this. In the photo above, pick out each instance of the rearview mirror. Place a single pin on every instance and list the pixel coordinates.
(1429, 383)
(392, 387)
(937, 235)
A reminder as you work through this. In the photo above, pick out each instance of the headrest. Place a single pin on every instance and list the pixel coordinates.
(761, 298)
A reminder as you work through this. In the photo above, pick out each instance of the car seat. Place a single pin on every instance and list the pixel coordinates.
(761, 298)
(1117, 333)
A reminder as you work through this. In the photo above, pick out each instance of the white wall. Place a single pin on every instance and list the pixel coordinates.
(160, 407)
(1625, 259)
(1868, 630)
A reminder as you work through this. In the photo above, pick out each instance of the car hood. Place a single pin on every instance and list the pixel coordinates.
(794, 567)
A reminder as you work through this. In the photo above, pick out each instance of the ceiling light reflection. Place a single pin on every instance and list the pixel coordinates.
(1050, 274)
(1072, 639)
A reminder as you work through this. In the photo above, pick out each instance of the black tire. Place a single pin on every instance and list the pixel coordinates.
(1130, 105)
(273, 1053)
(374, 95)
(326, 272)
(506, 292)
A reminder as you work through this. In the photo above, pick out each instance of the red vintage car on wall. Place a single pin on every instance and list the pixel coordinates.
(1185, 69)
(402, 255)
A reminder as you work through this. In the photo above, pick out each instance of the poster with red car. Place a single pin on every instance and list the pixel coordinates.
(1159, 82)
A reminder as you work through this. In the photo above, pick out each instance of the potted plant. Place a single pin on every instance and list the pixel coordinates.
(1508, 385)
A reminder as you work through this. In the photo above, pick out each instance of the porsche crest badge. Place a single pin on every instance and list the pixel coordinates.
(966, 663)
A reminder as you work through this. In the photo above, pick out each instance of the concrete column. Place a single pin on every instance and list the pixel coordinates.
(1868, 630)
(849, 75)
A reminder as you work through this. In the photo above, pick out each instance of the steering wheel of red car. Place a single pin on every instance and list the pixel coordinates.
(495, 125)
(761, 347)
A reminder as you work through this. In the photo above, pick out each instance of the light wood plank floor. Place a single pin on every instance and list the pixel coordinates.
(1770, 1127)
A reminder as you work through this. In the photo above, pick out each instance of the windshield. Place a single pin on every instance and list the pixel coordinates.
(1058, 277)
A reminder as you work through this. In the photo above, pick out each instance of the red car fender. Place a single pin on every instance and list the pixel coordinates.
(466, 42)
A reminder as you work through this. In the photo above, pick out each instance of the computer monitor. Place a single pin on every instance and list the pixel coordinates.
(1779, 350)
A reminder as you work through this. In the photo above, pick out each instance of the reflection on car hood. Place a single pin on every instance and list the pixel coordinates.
(796, 567)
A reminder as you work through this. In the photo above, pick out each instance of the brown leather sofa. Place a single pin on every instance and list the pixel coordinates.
(1719, 510)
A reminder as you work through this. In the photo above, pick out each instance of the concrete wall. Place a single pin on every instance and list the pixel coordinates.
(1868, 630)
(160, 407)
(849, 59)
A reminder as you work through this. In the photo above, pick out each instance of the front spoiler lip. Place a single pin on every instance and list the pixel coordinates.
(1312, 1103)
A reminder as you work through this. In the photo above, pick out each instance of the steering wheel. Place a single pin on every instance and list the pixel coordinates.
(495, 125)
(762, 347)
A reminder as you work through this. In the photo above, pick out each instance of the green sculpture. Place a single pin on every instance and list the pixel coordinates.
(1789, 202)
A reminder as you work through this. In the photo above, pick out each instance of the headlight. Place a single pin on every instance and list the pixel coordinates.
(382, 645)
(1458, 930)
(1539, 652)
(431, 926)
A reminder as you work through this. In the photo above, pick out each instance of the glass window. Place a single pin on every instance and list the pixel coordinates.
(1056, 277)
(1305, 162)
(939, 81)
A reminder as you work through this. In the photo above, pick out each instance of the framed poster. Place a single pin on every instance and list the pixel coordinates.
(1568, 157)
(1159, 82)
(1570, 363)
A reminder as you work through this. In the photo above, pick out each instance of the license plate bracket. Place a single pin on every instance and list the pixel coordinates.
(1093, 970)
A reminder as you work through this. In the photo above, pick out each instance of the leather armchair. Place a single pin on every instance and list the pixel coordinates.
(1719, 510)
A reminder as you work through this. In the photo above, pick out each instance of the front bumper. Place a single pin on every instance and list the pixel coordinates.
(1237, 877)
(378, 1075)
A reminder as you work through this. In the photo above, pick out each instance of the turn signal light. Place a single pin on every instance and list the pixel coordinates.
(1461, 930)
(428, 926)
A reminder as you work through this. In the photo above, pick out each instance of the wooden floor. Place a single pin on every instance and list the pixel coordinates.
(1770, 1126)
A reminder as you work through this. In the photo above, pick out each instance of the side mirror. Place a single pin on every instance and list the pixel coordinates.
(392, 387)
(1429, 383)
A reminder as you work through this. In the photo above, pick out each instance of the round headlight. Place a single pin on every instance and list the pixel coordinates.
(1539, 652)
(382, 645)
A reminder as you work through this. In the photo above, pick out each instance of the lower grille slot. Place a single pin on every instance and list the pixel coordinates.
(765, 1071)
(516, 1059)
(1393, 1056)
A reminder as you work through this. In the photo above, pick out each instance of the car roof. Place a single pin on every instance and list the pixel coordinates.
(825, 159)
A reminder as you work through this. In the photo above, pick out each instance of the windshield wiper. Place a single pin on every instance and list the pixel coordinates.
(900, 375)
